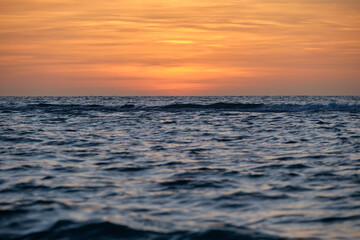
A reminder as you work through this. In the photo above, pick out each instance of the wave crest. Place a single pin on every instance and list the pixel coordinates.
(219, 106)
(65, 229)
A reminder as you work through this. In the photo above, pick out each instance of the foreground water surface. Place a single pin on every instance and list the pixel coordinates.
(179, 167)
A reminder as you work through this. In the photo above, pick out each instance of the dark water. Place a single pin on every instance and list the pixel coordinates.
(180, 168)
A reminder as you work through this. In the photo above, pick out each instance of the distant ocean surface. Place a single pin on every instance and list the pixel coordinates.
(179, 168)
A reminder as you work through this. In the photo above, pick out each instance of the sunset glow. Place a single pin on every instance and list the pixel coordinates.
(157, 47)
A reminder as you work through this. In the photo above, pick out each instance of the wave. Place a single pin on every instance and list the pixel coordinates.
(219, 106)
(65, 229)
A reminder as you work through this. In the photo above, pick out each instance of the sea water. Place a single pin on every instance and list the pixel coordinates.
(179, 168)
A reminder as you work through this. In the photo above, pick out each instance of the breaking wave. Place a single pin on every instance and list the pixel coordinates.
(219, 106)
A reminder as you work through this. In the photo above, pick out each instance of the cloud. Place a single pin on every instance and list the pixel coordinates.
(56, 39)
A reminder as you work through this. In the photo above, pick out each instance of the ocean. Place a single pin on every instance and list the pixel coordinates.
(192, 168)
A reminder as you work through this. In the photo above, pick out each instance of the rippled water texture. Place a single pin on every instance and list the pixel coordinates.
(179, 167)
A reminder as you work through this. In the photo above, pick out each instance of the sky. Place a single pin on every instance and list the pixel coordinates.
(179, 47)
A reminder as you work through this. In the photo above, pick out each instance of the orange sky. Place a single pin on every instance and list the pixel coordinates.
(179, 47)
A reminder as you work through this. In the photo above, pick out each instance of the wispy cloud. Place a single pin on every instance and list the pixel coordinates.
(154, 43)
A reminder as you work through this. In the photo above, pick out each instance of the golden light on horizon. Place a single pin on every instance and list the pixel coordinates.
(241, 47)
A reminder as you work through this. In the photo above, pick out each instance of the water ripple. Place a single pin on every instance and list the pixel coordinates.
(179, 167)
